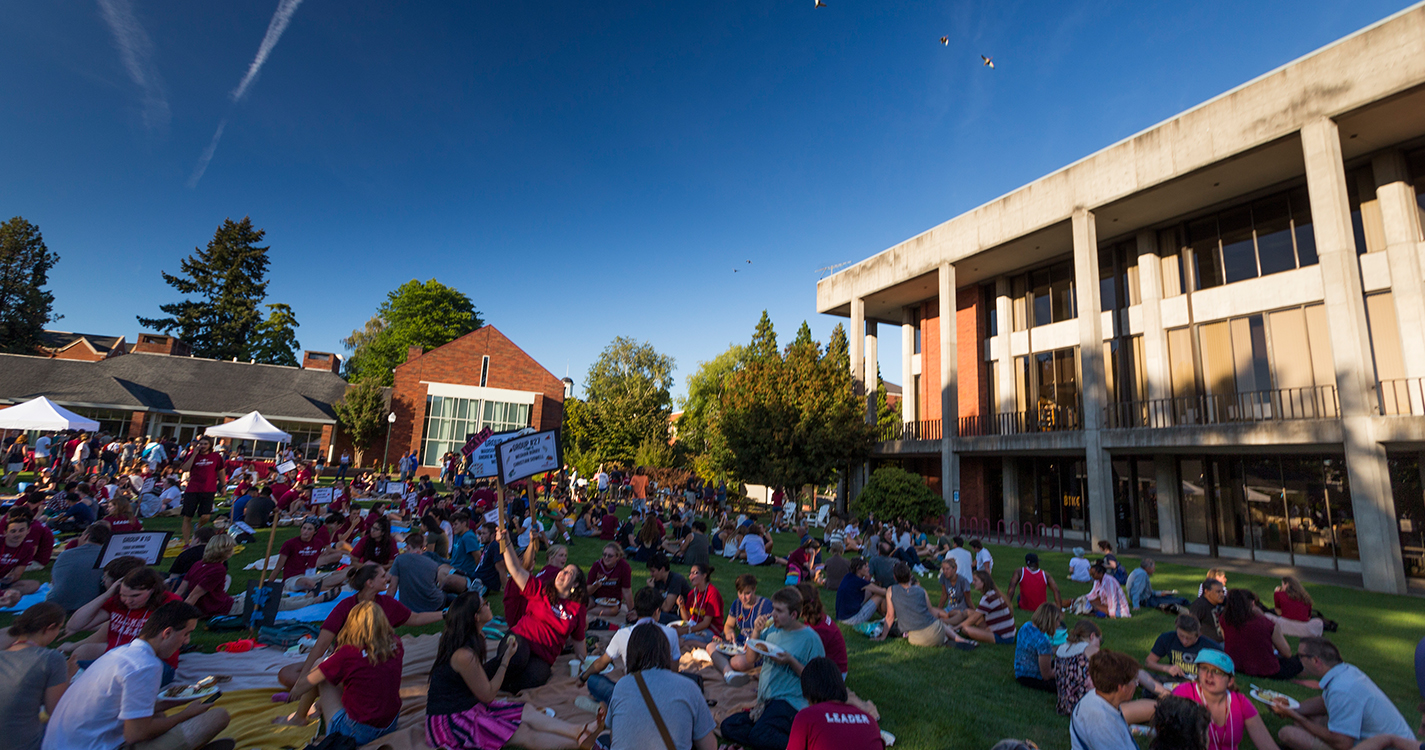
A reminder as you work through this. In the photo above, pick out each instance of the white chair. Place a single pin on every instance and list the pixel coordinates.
(822, 515)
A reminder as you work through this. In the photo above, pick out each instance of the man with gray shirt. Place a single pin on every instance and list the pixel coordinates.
(75, 580)
(416, 578)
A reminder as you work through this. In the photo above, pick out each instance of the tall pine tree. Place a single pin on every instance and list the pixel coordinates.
(25, 306)
(764, 341)
(226, 282)
(275, 339)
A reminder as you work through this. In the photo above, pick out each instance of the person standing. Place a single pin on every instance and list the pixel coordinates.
(42, 450)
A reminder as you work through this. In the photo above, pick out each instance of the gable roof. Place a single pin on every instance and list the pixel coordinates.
(58, 341)
(157, 382)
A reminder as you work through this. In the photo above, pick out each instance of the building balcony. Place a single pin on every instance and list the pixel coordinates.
(928, 429)
(1048, 417)
(1316, 402)
(1402, 398)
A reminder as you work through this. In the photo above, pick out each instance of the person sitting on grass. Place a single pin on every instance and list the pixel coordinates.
(1034, 585)
(753, 549)
(417, 580)
(1232, 713)
(1208, 608)
(1351, 708)
(1180, 647)
(1033, 652)
(857, 599)
(1106, 598)
(999, 619)
(653, 684)
(1294, 610)
(909, 614)
(746, 618)
(376, 546)
(121, 518)
(359, 685)
(1255, 643)
(1142, 594)
(463, 709)
(76, 516)
(645, 604)
(34, 676)
(1071, 673)
(671, 584)
(1179, 724)
(512, 598)
(830, 722)
(955, 600)
(190, 556)
(1097, 723)
(75, 580)
(610, 578)
(814, 615)
(118, 615)
(703, 607)
(802, 563)
(206, 584)
(779, 695)
(553, 614)
(299, 558)
(15, 555)
(112, 704)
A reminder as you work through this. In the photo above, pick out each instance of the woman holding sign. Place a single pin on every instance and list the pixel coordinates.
(553, 615)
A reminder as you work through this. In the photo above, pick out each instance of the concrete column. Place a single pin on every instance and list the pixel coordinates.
(1004, 307)
(856, 338)
(1009, 468)
(872, 370)
(1382, 566)
(1092, 382)
(949, 390)
(1170, 509)
(1401, 217)
(1155, 337)
(907, 377)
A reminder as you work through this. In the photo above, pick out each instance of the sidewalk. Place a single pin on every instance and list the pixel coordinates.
(1414, 586)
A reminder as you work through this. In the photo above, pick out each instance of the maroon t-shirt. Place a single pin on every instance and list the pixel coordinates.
(285, 501)
(125, 623)
(608, 527)
(1250, 647)
(371, 693)
(395, 611)
(43, 540)
(547, 627)
(213, 577)
(21, 556)
(834, 726)
(369, 550)
(203, 476)
(301, 556)
(609, 582)
(831, 641)
(122, 525)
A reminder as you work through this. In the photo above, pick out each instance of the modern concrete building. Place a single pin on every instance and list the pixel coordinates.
(1208, 337)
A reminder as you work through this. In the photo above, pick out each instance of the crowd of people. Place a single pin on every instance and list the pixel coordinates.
(422, 556)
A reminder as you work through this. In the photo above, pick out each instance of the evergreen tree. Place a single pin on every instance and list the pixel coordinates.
(764, 341)
(427, 315)
(275, 340)
(25, 306)
(838, 350)
(803, 336)
(229, 279)
(888, 420)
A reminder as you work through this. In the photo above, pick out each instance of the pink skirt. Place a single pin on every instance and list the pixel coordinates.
(482, 727)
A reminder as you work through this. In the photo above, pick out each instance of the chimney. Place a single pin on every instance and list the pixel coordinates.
(324, 361)
(414, 352)
(155, 343)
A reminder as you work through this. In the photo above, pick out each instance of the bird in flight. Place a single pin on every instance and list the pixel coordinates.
(749, 262)
(945, 40)
(734, 270)
(989, 61)
(819, 4)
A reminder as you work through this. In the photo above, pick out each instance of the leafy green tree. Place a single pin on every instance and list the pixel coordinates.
(627, 401)
(275, 339)
(655, 453)
(699, 431)
(427, 315)
(229, 280)
(25, 306)
(894, 493)
(361, 412)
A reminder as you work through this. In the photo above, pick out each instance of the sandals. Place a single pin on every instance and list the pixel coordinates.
(588, 738)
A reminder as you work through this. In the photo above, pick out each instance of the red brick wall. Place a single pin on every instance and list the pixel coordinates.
(930, 361)
(972, 487)
(459, 363)
(970, 317)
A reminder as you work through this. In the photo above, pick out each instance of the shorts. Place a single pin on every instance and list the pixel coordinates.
(362, 733)
(197, 503)
(931, 635)
(15, 468)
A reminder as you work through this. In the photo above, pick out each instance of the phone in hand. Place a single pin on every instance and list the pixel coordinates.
(213, 697)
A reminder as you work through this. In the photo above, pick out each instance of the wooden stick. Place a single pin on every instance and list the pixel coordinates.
(500, 510)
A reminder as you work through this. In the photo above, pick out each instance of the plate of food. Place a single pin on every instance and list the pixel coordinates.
(1270, 696)
(763, 648)
(679, 624)
(589, 662)
(607, 601)
(729, 649)
(197, 691)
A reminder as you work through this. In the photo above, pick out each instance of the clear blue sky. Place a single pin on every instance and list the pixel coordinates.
(580, 170)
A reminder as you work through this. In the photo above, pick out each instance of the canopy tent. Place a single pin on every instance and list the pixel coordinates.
(251, 427)
(43, 414)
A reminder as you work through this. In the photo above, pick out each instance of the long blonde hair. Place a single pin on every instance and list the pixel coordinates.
(368, 629)
(1295, 590)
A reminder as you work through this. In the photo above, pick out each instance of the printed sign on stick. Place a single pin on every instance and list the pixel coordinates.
(323, 495)
(145, 545)
(475, 439)
(529, 455)
(483, 462)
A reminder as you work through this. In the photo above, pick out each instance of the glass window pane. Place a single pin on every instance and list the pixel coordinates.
(1239, 257)
(1202, 238)
(1128, 279)
(1107, 280)
(1339, 508)
(1171, 259)
(1301, 227)
(1040, 287)
(1193, 494)
(1272, 219)
(489, 412)
(1266, 503)
(1231, 505)
(1062, 288)
(1147, 498)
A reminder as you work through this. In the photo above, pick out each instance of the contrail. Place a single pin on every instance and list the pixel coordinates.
(275, 27)
(136, 51)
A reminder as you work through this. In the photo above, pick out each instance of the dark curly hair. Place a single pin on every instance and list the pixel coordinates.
(1180, 725)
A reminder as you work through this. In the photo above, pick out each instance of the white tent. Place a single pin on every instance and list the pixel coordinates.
(43, 414)
(250, 427)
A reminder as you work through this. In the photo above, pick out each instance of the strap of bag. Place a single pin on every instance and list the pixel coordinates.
(653, 709)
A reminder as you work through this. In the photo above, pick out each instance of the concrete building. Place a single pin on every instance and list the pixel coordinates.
(1208, 337)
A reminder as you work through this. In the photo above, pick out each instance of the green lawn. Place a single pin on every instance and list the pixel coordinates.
(944, 698)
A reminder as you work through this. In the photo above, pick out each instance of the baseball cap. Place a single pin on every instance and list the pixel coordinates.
(1031, 559)
(1215, 658)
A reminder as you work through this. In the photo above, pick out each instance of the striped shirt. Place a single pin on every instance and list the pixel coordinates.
(998, 618)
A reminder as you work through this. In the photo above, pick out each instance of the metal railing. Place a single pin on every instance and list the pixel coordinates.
(1006, 532)
(1402, 397)
(1046, 418)
(1316, 402)
(928, 429)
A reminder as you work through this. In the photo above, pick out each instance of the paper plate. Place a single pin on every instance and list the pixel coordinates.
(729, 649)
(764, 648)
(607, 601)
(187, 694)
(1267, 697)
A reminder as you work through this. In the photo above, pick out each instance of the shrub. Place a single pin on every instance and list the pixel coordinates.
(896, 493)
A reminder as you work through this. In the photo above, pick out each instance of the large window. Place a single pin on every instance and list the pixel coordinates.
(1266, 236)
(1052, 492)
(449, 420)
(1044, 296)
(1118, 275)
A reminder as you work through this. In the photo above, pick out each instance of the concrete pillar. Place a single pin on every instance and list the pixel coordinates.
(1170, 509)
(1382, 566)
(907, 377)
(1155, 338)
(949, 391)
(1092, 382)
(872, 371)
(1401, 218)
(1010, 478)
(856, 338)
(1004, 309)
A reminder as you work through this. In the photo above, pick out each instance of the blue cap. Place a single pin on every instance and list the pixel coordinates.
(1215, 658)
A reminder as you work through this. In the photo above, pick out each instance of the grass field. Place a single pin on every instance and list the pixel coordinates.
(944, 698)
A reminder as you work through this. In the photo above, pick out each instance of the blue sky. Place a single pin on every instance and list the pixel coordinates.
(581, 170)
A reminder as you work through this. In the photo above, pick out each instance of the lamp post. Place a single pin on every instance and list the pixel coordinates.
(386, 456)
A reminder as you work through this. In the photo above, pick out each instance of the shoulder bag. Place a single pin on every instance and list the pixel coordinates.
(653, 711)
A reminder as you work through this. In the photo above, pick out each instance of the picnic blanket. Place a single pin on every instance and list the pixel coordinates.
(313, 612)
(30, 600)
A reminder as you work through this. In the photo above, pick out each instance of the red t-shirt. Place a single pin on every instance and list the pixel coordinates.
(1250, 647)
(279, 489)
(708, 603)
(339, 502)
(371, 693)
(285, 501)
(380, 553)
(301, 556)
(608, 527)
(122, 525)
(605, 582)
(213, 577)
(395, 611)
(514, 600)
(547, 627)
(20, 556)
(43, 539)
(1290, 608)
(203, 476)
(831, 641)
(834, 726)
(125, 623)
(323, 536)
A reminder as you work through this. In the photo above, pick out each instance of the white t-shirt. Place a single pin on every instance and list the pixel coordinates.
(1079, 570)
(171, 498)
(120, 685)
(964, 564)
(618, 645)
(523, 540)
(983, 561)
(755, 549)
(42, 447)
